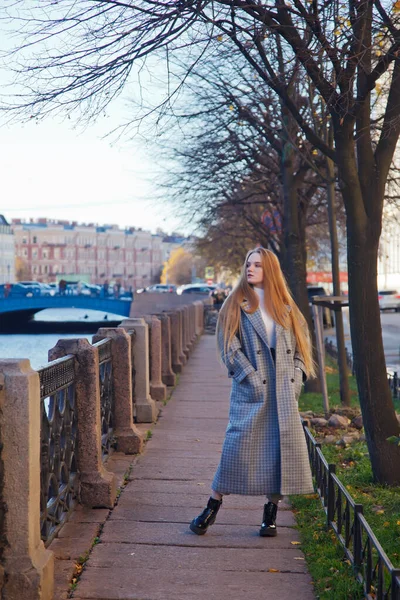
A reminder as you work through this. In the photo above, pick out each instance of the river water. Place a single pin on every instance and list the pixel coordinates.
(35, 346)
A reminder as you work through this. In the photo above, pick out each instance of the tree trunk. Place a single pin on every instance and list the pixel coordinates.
(295, 255)
(340, 342)
(363, 232)
(376, 401)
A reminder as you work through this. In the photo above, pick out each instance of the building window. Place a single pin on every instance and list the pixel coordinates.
(24, 240)
(34, 239)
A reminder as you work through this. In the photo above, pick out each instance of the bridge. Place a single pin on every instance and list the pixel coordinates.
(23, 308)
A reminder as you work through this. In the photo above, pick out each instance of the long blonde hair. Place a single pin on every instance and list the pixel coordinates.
(277, 300)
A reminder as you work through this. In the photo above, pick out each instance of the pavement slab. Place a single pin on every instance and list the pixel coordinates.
(146, 550)
(183, 584)
(177, 514)
(135, 556)
(179, 534)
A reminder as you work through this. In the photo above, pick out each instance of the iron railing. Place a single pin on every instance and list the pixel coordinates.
(394, 382)
(332, 351)
(392, 376)
(372, 567)
(58, 475)
(210, 318)
(106, 397)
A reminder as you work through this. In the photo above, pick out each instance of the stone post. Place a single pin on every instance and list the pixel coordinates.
(182, 355)
(192, 316)
(185, 349)
(158, 391)
(168, 376)
(186, 319)
(146, 410)
(129, 439)
(175, 342)
(28, 566)
(199, 308)
(97, 485)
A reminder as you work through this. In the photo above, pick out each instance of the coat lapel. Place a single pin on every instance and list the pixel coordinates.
(257, 322)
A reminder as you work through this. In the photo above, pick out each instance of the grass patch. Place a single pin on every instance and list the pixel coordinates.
(314, 401)
(333, 578)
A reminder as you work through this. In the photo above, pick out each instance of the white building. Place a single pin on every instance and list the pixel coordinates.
(7, 252)
(389, 252)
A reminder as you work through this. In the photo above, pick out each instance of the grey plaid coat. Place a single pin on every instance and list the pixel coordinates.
(264, 451)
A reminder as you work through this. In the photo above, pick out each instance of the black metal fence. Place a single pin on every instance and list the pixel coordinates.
(372, 567)
(393, 376)
(58, 474)
(106, 397)
(210, 318)
(331, 350)
(394, 383)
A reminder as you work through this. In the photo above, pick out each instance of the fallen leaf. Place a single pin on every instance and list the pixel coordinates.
(273, 571)
(295, 543)
(201, 483)
(299, 558)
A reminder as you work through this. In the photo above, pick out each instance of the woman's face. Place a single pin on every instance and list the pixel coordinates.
(254, 270)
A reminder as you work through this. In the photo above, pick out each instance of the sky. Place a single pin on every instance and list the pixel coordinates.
(58, 170)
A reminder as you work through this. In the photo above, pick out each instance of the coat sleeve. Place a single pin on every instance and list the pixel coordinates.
(237, 363)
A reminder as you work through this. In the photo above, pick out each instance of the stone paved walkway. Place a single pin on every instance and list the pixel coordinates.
(146, 550)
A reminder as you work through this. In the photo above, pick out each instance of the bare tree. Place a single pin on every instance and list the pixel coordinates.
(344, 49)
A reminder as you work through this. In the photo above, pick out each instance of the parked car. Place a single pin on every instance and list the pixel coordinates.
(19, 290)
(389, 300)
(47, 290)
(158, 288)
(197, 289)
(161, 288)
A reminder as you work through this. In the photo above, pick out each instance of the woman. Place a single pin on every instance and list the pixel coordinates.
(264, 342)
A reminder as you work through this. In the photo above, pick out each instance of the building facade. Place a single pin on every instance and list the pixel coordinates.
(7, 252)
(52, 250)
(389, 253)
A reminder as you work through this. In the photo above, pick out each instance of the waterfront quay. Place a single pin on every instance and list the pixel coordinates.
(106, 458)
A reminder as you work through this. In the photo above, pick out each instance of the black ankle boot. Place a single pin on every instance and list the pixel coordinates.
(268, 526)
(201, 523)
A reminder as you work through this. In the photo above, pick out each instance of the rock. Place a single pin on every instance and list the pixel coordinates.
(338, 421)
(307, 414)
(346, 411)
(319, 422)
(306, 422)
(348, 439)
(362, 437)
(329, 439)
(357, 422)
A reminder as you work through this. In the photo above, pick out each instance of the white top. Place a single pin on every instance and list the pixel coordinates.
(268, 320)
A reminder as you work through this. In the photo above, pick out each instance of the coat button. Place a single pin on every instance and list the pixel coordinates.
(288, 352)
(258, 351)
(264, 381)
(231, 372)
(292, 380)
